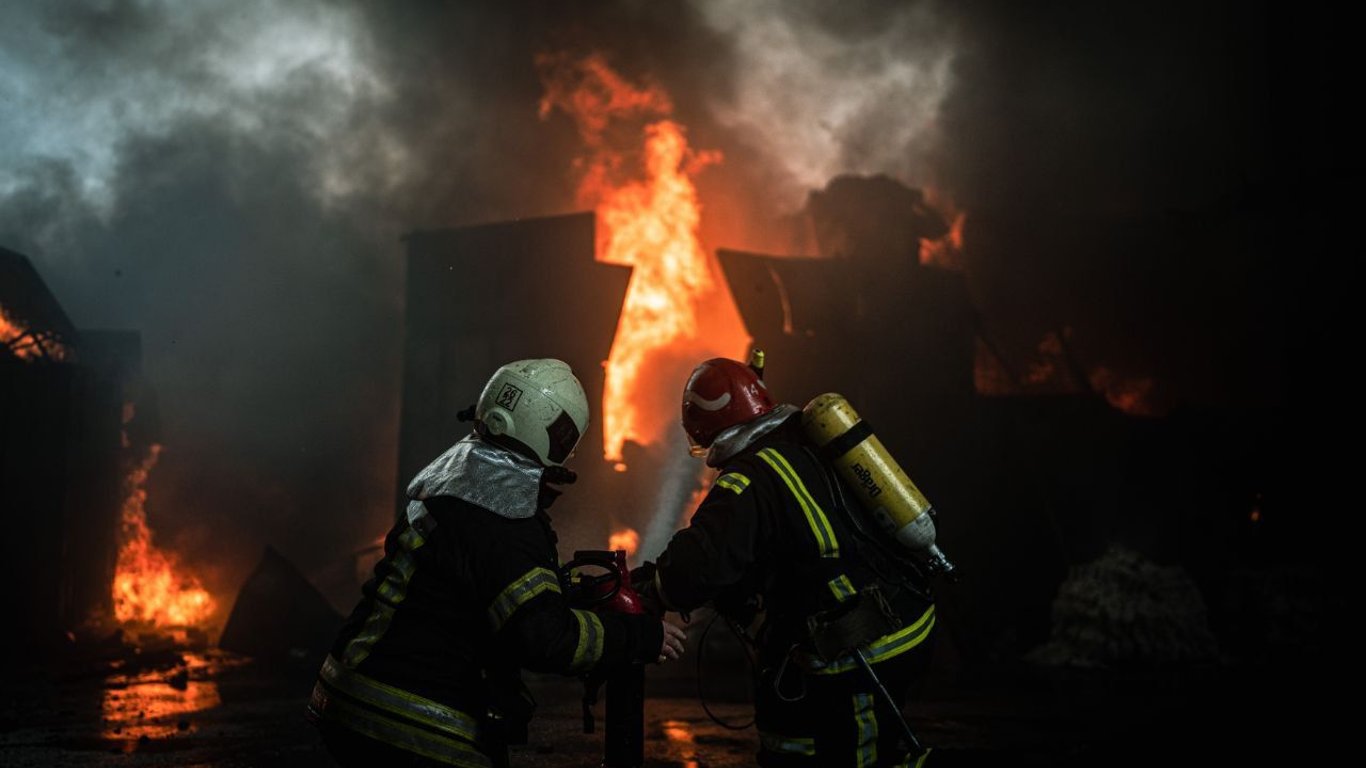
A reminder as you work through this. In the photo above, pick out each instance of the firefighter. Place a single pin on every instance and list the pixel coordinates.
(426, 671)
(776, 532)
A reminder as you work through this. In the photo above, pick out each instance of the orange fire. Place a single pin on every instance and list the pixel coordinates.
(147, 588)
(640, 182)
(25, 344)
(1133, 396)
(625, 538)
(1050, 372)
(947, 251)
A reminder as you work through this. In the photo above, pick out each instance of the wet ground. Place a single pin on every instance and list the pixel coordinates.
(212, 709)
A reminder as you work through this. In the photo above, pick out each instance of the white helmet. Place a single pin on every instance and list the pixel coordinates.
(537, 405)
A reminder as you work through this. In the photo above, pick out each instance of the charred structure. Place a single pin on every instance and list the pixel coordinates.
(73, 412)
(1031, 483)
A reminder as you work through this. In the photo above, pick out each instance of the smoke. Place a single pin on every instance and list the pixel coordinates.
(827, 89)
(207, 173)
(232, 179)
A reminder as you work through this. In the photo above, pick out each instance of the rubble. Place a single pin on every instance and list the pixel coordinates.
(1123, 608)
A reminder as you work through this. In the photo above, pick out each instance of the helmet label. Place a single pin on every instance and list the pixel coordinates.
(509, 397)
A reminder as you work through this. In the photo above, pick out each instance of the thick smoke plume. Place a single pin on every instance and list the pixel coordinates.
(232, 180)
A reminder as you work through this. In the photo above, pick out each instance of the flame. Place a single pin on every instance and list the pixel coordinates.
(947, 251)
(625, 538)
(1048, 373)
(648, 213)
(28, 345)
(147, 587)
(1133, 396)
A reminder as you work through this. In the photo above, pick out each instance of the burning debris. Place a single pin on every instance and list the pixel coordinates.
(640, 183)
(27, 344)
(32, 323)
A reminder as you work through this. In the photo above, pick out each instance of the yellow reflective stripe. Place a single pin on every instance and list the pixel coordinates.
(420, 741)
(588, 652)
(388, 595)
(865, 754)
(815, 517)
(397, 701)
(788, 745)
(842, 588)
(730, 486)
(733, 481)
(374, 628)
(885, 647)
(514, 595)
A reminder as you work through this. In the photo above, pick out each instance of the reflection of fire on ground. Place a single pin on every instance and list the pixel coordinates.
(157, 703)
(679, 735)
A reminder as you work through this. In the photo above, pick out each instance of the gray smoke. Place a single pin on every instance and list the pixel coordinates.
(232, 180)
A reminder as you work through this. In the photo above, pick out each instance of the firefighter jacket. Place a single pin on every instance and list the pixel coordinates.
(773, 523)
(465, 596)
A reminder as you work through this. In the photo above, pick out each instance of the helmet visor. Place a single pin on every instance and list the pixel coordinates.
(696, 449)
(564, 435)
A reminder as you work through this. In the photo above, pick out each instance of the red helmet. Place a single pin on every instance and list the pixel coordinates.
(720, 394)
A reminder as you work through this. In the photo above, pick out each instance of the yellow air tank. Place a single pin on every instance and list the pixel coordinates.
(882, 486)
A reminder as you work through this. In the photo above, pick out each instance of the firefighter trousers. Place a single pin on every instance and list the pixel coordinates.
(806, 719)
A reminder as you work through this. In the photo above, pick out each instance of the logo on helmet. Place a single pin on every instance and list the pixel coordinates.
(509, 397)
(705, 404)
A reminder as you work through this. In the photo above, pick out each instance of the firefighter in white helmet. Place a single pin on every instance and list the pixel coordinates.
(427, 668)
(777, 530)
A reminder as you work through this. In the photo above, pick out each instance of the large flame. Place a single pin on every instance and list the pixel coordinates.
(148, 589)
(639, 179)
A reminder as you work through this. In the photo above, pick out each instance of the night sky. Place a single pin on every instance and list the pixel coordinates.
(232, 180)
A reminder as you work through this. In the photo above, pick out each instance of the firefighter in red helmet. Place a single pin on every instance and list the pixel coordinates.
(776, 530)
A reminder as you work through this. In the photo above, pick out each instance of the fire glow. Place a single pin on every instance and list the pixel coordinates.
(647, 218)
(148, 590)
(25, 344)
(626, 539)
